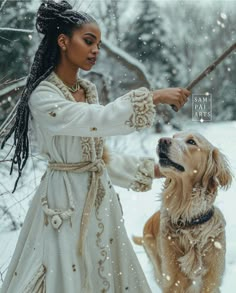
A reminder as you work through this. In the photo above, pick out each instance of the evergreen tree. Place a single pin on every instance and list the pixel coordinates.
(15, 46)
(148, 41)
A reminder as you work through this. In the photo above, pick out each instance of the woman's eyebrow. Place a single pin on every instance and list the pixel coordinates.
(93, 36)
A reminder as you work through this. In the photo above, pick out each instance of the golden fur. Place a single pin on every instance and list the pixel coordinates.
(189, 259)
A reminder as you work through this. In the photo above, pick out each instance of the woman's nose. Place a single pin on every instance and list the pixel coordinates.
(95, 50)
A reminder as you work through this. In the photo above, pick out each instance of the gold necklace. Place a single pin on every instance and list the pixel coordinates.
(73, 88)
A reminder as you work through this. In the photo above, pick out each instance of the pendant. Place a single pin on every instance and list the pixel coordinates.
(56, 222)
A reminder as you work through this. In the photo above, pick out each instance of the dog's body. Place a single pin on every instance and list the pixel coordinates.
(185, 240)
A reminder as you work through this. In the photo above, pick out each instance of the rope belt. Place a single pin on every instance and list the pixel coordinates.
(96, 168)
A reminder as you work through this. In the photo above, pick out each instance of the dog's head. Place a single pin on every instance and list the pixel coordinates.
(192, 157)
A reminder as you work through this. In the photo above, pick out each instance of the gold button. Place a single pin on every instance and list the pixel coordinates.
(93, 129)
(53, 114)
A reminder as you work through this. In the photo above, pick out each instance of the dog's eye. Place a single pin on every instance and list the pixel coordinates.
(191, 141)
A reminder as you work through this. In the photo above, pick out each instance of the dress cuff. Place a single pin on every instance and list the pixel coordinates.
(144, 176)
(143, 108)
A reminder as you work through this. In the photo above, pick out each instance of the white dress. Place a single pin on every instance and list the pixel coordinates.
(46, 258)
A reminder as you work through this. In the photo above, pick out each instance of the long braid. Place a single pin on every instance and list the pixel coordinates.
(52, 19)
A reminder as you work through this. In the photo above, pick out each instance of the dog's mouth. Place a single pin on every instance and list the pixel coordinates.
(165, 161)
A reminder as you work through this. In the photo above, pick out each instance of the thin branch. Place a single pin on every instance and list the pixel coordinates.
(9, 119)
(3, 161)
(9, 214)
(3, 3)
(6, 39)
(16, 30)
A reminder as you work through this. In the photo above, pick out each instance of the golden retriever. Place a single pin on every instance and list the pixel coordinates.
(185, 240)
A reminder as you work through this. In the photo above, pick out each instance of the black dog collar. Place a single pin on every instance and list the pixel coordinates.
(195, 221)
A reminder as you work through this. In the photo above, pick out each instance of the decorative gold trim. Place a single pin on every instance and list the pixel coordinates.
(144, 176)
(143, 108)
(103, 251)
(38, 281)
(92, 149)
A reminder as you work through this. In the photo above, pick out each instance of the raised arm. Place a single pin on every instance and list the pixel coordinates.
(133, 111)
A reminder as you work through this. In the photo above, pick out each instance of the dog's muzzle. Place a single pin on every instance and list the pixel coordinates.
(163, 148)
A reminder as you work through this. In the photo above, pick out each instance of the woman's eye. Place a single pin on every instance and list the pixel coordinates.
(89, 42)
(191, 141)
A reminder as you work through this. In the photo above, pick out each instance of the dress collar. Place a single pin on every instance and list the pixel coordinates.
(90, 88)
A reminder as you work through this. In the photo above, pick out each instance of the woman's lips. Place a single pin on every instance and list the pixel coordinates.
(92, 61)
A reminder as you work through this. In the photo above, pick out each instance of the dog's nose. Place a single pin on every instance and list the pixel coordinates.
(165, 141)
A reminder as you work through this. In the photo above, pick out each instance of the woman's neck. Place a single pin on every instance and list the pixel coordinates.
(67, 74)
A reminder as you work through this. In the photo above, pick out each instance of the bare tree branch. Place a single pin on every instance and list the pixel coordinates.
(3, 3)
(16, 30)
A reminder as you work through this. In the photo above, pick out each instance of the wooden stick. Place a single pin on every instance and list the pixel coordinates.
(208, 70)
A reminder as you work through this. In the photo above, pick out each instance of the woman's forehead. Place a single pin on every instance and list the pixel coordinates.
(90, 29)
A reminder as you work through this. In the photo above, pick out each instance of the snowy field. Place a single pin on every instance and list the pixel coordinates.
(138, 207)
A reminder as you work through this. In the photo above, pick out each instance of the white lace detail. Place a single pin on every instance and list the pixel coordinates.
(144, 175)
(143, 108)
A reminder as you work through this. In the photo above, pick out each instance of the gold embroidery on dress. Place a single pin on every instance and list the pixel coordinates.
(103, 251)
(38, 282)
(92, 149)
(143, 108)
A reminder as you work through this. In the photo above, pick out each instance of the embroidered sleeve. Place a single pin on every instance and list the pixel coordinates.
(56, 115)
(131, 172)
(144, 175)
(143, 108)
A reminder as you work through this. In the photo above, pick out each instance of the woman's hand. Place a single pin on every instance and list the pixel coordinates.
(157, 172)
(171, 96)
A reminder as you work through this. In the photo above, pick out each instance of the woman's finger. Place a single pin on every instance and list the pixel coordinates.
(185, 99)
(186, 92)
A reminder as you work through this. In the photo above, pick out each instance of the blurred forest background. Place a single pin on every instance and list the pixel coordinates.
(149, 43)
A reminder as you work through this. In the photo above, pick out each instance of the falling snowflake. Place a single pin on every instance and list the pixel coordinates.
(223, 15)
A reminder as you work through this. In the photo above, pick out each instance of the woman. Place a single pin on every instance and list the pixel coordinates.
(73, 238)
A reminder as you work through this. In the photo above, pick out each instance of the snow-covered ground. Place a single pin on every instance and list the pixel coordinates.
(138, 207)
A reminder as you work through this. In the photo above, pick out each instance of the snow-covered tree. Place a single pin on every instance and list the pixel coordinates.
(202, 32)
(14, 45)
(147, 40)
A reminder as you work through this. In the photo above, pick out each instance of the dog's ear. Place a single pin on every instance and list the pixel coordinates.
(217, 173)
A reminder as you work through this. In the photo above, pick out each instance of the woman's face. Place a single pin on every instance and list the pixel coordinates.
(83, 47)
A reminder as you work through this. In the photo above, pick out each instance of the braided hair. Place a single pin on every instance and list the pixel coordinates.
(52, 20)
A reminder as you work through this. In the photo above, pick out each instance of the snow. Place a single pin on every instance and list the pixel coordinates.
(138, 207)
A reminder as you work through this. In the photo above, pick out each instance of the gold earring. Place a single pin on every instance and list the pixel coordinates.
(63, 48)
